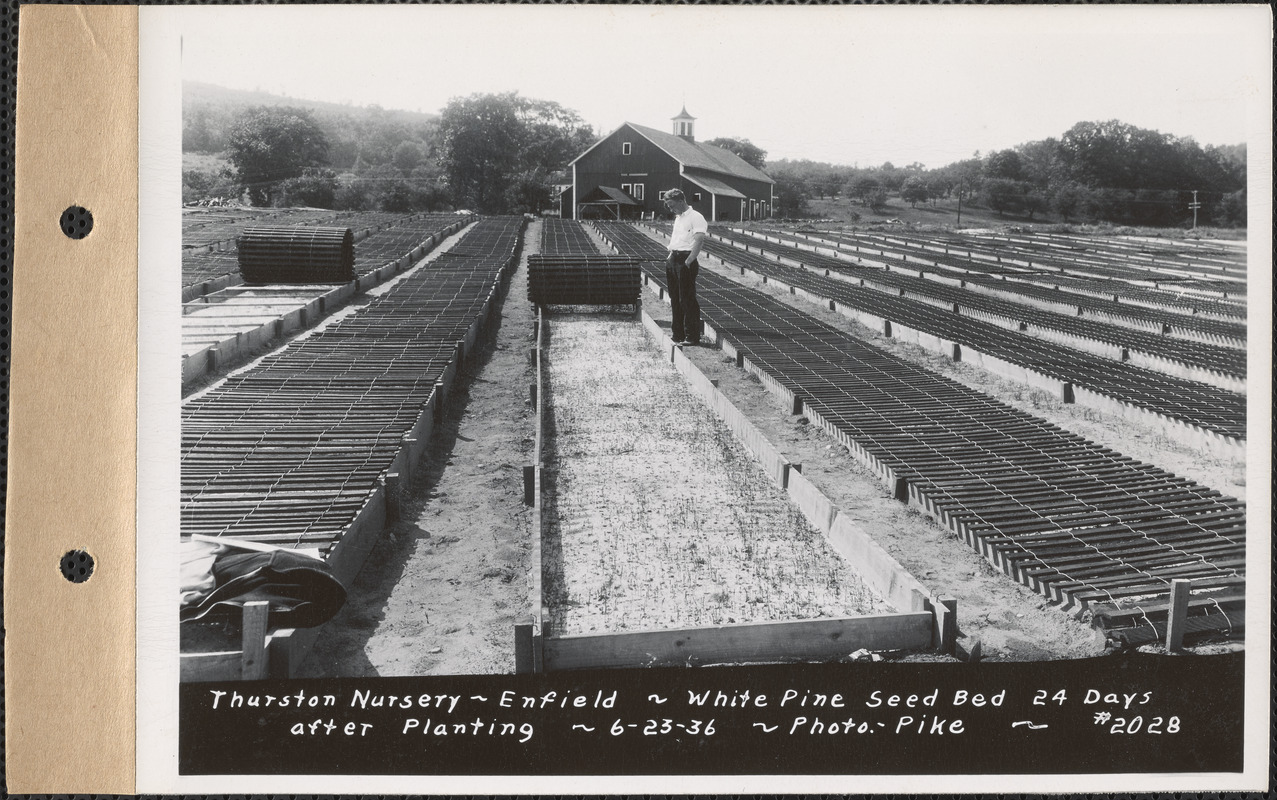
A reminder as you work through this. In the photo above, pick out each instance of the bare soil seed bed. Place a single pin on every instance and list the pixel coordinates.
(658, 517)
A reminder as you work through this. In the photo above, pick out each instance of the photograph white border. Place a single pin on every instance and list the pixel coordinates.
(158, 518)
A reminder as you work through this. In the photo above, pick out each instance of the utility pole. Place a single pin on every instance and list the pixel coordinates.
(1194, 205)
(959, 222)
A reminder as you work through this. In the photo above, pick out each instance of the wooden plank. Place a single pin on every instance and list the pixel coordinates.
(355, 544)
(219, 666)
(811, 501)
(253, 661)
(876, 566)
(802, 640)
(534, 661)
(1178, 613)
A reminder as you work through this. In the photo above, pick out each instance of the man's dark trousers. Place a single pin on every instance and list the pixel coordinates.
(682, 288)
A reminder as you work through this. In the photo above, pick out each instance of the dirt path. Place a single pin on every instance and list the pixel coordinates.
(441, 591)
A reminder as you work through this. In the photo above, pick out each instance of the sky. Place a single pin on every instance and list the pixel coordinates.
(848, 85)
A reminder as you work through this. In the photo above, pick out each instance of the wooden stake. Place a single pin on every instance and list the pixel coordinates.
(393, 497)
(438, 410)
(1177, 616)
(948, 624)
(523, 648)
(253, 661)
(529, 484)
(280, 653)
(901, 490)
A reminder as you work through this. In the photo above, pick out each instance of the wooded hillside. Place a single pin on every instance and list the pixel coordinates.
(366, 158)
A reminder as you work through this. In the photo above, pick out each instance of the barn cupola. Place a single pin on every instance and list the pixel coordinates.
(685, 125)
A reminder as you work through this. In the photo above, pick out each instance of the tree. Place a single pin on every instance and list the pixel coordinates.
(1109, 171)
(1067, 200)
(792, 192)
(890, 177)
(1003, 164)
(270, 144)
(1004, 194)
(552, 136)
(830, 184)
(938, 187)
(753, 155)
(530, 190)
(408, 155)
(863, 188)
(492, 143)
(1231, 210)
(481, 142)
(1032, 201)
(1040, 162)
(966, 174)
(913, 191)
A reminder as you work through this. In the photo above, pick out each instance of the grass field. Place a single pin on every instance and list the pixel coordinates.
(944, 213)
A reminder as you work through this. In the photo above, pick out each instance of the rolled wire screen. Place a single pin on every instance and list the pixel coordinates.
(296, 254)
(584, 280)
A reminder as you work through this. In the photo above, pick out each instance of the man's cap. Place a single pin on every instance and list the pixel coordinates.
(675, 194)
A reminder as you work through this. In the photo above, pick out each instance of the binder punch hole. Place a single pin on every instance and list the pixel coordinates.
(77, 566)
(76, 222)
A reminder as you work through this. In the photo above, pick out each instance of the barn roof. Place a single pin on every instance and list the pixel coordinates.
(694, 154)
(714, 185)
(610, 194)
(702, 156)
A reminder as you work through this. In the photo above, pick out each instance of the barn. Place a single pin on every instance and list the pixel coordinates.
(624, 176)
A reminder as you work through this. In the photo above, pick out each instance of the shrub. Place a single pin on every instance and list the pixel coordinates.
(1231, 211)
(353, 196)
(316, 188)
(201, 185)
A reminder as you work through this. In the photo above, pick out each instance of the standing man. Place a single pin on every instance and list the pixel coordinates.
(681, 267)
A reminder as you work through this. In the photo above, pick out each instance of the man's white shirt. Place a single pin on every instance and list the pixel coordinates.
(686, 226)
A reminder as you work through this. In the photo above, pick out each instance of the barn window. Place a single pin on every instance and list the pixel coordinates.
(625, 148)
(638, 191)
(696, 196)
(625, 187)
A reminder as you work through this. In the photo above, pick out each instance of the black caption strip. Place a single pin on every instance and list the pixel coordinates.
(1131, 713)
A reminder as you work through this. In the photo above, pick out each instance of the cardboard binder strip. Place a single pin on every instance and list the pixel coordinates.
(70, 647)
